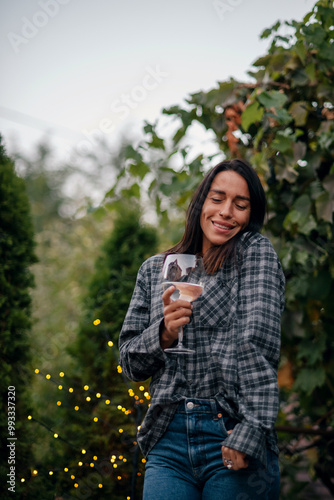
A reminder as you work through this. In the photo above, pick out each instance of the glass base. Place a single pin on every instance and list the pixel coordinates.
(179, 350)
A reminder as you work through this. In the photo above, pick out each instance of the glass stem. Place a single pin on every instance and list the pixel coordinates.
(180, 338)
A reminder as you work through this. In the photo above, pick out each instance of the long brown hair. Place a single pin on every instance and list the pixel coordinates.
(192, 239)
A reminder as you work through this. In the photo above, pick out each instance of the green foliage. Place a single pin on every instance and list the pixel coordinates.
(105, 399)
(16, 279)
(286, 131)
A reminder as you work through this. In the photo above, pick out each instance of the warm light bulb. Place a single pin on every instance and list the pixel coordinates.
(97, 322)
(61, 374)
(48, 376)
(98, 394)
(86, 387)
(55, 435)
(37, 370)
(110, 343)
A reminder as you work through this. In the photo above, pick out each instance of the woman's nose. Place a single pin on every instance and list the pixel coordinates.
(226, 210)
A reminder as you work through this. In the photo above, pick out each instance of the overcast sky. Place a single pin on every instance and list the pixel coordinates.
(70, 67)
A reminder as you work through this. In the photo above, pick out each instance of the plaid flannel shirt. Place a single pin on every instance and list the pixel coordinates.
(235, 332)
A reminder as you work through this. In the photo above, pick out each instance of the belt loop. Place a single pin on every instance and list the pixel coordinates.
(214, 409)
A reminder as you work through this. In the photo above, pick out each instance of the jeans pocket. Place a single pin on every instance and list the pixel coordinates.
(222, 423)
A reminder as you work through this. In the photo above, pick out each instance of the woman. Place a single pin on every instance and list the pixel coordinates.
(209, 432)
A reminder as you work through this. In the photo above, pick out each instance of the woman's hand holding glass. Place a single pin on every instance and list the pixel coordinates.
(176, 314)
(181, 284)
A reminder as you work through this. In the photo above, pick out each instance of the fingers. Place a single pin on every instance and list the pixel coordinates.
(234, 459)
(176, 313)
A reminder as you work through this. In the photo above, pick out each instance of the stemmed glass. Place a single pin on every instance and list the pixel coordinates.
(184, 271)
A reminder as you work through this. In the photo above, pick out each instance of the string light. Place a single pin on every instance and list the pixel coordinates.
(98, 395)
(96, 322)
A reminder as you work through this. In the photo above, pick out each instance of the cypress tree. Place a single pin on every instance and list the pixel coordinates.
(16, 257)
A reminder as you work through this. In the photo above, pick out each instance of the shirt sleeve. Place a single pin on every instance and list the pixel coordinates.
(258, 330)
(139, 343)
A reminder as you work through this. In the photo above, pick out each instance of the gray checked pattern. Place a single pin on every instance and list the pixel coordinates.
(235, 332)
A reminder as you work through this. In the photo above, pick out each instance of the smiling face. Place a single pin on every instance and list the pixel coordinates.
(226, 210)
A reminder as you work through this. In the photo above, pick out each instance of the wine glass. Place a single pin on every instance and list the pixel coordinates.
(184, 272)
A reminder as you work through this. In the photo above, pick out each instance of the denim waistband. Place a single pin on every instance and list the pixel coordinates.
(195, 405)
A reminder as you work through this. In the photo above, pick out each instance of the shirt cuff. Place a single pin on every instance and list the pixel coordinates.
(249, 440)
(151, 338)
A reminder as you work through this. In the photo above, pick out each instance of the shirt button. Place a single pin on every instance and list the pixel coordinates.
(190, 405)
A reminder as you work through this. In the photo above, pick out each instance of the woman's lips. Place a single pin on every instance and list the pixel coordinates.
(225, 226)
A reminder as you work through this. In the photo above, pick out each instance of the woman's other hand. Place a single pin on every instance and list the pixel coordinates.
(237, 459)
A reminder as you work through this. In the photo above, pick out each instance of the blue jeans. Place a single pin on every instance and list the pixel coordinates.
(186, 463)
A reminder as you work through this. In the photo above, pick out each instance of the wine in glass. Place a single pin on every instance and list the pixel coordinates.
(184, 272)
